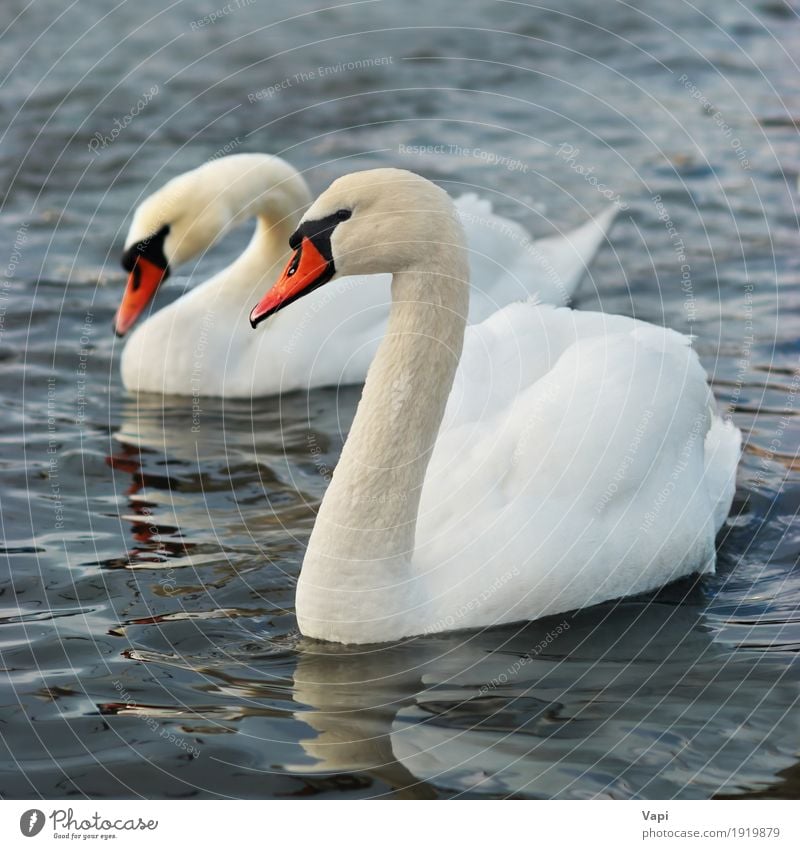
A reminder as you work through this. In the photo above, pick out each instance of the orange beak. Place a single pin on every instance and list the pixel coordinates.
(307, 270)
(143, 281)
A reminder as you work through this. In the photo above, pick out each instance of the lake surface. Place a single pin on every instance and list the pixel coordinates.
(148, 639)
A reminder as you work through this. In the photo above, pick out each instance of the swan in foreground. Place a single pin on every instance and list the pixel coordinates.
(201, 344)
(571, 458)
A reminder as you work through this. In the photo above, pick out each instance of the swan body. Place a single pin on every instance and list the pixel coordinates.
(564, 459)
(201, 345)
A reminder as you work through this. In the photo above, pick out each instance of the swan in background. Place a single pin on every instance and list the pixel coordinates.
(201, 344)
(572, 458)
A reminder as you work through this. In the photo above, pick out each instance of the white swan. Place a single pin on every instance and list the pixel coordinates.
(201, 344)
(579, 457)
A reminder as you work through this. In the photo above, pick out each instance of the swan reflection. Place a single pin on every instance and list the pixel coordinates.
(491, 713)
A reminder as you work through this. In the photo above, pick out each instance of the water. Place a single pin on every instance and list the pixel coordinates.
(147, 626)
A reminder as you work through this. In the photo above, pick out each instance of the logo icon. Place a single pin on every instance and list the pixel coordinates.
(31, 822)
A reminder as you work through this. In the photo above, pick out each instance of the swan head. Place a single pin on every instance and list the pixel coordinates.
(192, 211)
(370, 222)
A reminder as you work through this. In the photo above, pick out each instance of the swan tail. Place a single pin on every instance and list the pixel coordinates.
(723, 448)
(569, 256)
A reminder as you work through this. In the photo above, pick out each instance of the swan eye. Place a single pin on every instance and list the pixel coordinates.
(344, 214)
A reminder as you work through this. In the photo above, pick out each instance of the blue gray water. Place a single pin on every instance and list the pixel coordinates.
(148, 640)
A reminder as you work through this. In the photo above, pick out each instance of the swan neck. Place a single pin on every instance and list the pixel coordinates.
(273, 194)
(271, 237)
(369, 513)
(268, 249)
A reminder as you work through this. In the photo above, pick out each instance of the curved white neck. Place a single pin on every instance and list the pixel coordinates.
(276, 199)
(365, 530)
(266, 253)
